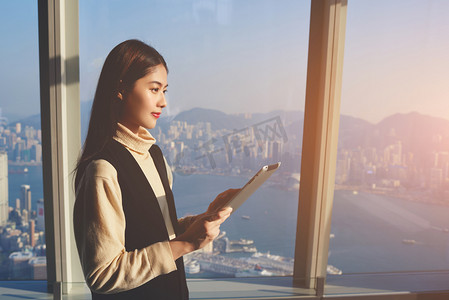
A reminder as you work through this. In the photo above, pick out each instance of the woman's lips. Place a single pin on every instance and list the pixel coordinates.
(156, 115)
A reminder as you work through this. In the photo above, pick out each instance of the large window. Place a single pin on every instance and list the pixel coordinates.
(235, 102)
(244, 64)
(22, 226)
(391, 199)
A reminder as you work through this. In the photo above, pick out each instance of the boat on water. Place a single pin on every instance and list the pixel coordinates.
(242, 242)
(257, 271)
(18, 171)
(333, 270)
(22, 255)
(192, 267)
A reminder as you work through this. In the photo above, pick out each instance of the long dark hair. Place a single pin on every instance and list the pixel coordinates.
(124, 65)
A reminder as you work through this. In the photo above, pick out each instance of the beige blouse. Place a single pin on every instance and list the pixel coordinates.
(99, 223)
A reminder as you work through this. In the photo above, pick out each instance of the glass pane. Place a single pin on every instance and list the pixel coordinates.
(392, 180)
(235, 103)
(22, 238)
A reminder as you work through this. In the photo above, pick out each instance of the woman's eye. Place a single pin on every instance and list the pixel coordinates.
(165, 91)
(155, 90)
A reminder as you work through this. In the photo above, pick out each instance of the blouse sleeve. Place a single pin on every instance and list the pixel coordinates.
(99, 225)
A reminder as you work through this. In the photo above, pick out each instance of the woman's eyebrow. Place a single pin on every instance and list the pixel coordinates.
(157, 82)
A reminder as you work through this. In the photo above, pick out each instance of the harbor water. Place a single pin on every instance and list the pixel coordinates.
(370, 233)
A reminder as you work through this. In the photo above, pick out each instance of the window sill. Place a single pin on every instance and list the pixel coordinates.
(247, 288)
(385, 286)
(410, 283)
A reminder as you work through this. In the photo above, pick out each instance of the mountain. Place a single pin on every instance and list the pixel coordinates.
(33, 120)
(218, 119)
(354, 132)
(416, 130)
(420, 134)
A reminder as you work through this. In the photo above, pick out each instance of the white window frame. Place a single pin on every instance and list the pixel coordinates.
(320, 139)
(61, 138)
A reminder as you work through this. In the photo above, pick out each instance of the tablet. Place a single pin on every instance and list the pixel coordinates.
(251, 186)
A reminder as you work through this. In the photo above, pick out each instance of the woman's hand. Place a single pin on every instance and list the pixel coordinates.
(205, 227)
(221, 200)
(201, 232)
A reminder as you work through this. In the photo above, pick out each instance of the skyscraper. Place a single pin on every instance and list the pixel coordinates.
(32, 233)
(25, 197)
(18, 128)
(40, 226)
(4, 209)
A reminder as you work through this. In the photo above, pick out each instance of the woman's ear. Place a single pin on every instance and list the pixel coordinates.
(121, 90)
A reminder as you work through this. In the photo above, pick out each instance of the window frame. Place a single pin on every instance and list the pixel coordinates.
(320, 140)
(61, 137)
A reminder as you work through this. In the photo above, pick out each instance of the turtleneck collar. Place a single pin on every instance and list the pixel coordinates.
(140, 142)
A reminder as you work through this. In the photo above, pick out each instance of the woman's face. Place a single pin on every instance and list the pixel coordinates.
(143, 104)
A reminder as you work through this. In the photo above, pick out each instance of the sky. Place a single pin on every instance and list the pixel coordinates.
(19, 59)
(247, 56)
(396, 58)
(235, 56)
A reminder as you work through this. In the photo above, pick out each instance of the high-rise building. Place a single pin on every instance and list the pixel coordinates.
(25, 216)
(25, 198)
(442, 162)
(436, 178)
(36, 152)
(393, 154)
(276, 151)
(18, 128)
(4, 209)
(40, 226)
(32, 233)
(18, 148)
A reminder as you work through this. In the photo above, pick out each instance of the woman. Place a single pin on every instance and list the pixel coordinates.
(128, 236)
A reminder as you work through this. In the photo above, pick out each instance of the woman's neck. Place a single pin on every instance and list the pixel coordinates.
(133, 127)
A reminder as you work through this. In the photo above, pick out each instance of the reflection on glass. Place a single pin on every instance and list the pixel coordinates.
(235, 103)
(391, 198)
(22, 226)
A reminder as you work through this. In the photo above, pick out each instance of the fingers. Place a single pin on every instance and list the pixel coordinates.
(206, 228)
(219, 216)
(224, 213)
(222, 199)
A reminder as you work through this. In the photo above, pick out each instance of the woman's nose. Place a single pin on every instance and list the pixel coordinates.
(162, 101)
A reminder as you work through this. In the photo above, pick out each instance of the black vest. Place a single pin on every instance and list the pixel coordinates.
(144, 221)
